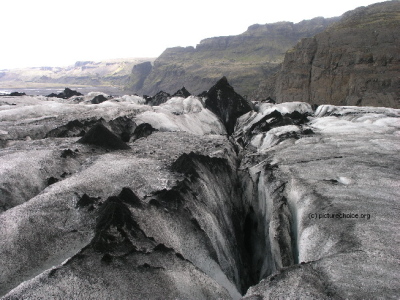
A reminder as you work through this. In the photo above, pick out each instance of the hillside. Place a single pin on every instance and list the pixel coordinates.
(244, 59)
(354, 62)
(113, 72)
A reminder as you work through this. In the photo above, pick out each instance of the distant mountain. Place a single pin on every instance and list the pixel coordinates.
(244, 59)
(109, 72)
(353, 62)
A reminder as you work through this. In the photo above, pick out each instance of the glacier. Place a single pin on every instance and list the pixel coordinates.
(296, 203)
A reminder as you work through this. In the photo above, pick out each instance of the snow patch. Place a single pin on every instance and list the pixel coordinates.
(179, 114)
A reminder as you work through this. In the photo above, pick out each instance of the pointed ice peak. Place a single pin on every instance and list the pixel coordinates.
(183, 92)
(228, 105)
(157, 99)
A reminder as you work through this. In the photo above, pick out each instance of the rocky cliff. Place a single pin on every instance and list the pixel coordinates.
(122, 200)
(244, 59)
(353, 62)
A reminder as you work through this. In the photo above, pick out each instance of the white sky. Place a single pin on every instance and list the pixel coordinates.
(59, 32)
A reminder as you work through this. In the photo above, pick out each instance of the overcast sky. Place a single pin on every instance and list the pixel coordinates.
(58, 32)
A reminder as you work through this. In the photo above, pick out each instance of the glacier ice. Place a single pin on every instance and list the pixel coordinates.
(268, 212)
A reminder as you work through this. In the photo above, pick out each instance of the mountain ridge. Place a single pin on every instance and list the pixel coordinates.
(347, 60)
(243, 58)
(353, 62)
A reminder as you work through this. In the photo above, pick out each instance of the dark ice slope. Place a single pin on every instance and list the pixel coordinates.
(228, 105)
(142, 130)
(67, 93)
(183, 92)
(159, 98)
(100, 136)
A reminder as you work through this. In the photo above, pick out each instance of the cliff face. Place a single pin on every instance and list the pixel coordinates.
(353, 62)
(244, 59)
(139, 74)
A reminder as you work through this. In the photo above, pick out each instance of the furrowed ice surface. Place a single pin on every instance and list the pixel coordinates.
(341, 185)
(144, 169)
(296, 203)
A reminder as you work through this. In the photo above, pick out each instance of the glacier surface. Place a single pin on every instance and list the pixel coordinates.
(296, 203)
